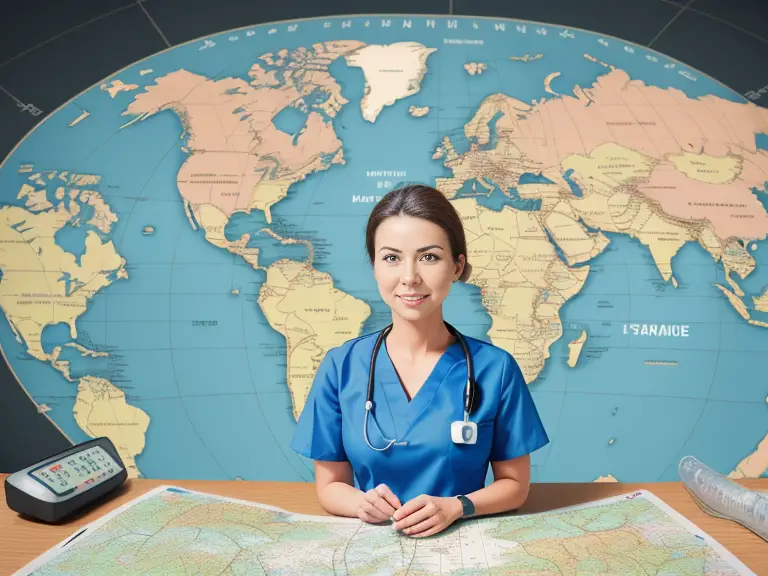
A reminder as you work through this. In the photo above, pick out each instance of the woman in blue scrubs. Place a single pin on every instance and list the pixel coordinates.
(406, 464)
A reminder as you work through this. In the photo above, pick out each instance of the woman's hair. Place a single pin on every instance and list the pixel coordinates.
(427, 203)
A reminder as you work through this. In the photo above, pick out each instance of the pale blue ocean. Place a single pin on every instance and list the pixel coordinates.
(217, 395)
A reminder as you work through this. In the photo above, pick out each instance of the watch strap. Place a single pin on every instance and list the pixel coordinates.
(468, 509)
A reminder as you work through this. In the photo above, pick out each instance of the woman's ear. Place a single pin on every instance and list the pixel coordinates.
(466, 273)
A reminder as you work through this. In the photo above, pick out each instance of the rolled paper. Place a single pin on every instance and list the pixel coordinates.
(721, 497)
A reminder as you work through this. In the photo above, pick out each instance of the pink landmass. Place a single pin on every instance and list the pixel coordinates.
(731, 208)
(653, 121)
(235, 150)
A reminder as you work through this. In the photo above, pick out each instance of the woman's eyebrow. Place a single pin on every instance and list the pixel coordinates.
(424, 249)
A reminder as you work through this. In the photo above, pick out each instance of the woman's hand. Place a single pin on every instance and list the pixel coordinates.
(427, 515)
(379, 505)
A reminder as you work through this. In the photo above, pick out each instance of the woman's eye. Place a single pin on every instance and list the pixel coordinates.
(431, 257)
(390, 258)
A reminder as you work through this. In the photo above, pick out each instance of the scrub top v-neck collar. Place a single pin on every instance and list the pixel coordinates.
(405, 413)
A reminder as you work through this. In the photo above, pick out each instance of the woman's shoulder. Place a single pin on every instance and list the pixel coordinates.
(487, 349)
(359, 345)
(487, 354)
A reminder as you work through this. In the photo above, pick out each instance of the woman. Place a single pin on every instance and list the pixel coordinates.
(401, 448)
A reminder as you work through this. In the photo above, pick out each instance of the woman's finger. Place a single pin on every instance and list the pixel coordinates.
(421, 529)
(385, 492)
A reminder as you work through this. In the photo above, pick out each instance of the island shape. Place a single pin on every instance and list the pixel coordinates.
(392, 72)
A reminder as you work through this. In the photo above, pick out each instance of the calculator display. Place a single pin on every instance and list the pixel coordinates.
(77, 470)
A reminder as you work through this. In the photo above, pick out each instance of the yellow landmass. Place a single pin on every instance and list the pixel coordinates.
(304, 306)
(85, 351)
(754, 465)
(36, 199)
(604, 177)
(735, 301)
(709, 169)
(418, 111)
(60, 365)
(575, 347)
(548, 83)
(577, 244)
(608, 478)
(101, 410)
(83, 180)
(490, 107)
(118, 86)
(33, 293)
(392, 72)
(759, 323)
(761, 302)
(596, 61)
(523, 281)
(79, 119)
(527, 58)
(213, 221)
(103, 217)
(267, 193)
(475, 68)
(610, 166)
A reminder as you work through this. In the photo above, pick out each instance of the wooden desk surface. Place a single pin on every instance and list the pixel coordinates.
(21, 540)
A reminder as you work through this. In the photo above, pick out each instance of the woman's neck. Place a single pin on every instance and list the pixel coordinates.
(419, 338)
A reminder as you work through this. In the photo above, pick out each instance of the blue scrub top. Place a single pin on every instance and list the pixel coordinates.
(331, 424)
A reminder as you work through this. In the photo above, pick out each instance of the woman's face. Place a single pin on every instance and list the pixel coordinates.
(413, 266)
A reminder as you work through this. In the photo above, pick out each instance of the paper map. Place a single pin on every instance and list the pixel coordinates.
(172, 531)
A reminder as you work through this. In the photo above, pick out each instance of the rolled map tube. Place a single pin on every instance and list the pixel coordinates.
(722, 497)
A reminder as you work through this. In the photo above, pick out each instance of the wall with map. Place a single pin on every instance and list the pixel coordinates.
(183, 242)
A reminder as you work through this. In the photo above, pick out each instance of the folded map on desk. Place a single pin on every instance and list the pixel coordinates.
(175, 531)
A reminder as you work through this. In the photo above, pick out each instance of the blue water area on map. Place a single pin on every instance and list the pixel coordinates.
(72, 239)
(666, 383)
(761, 141)
(290, 120)
(762, 195)
(190, 346)
(575, 188)
(271, 248)
(530, 178)
(496, 199)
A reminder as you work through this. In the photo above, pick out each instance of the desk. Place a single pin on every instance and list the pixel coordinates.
(22, 540)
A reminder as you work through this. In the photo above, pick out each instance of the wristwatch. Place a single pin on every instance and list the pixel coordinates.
(468, 509)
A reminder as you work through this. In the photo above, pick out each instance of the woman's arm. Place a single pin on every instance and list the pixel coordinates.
(336, 490)
(509, 489)
(338, 495)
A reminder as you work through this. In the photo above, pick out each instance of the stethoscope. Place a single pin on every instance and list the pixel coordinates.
(461, 432)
